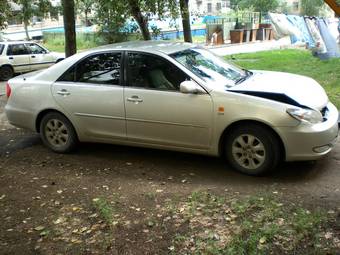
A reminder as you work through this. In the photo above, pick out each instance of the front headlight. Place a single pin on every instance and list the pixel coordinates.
(306, 115)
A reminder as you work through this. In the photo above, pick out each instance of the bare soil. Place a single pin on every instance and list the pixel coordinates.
(47, 200)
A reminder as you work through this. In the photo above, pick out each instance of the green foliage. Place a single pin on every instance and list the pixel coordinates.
(4, 13)
(311, 7)
(33, 8)
(257, 5)
(326, 72)
(112, 15)
(104, 209)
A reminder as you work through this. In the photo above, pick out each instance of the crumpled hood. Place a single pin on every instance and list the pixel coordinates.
(304, 90)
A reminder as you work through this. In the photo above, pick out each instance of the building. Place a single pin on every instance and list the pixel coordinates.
(209, 7)
(293, 6)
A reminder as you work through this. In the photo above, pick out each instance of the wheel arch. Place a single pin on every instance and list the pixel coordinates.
(235, 124)
(7, 65)
(43, 113)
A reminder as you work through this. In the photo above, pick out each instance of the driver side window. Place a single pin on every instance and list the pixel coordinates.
(36, 49)
(153, 72)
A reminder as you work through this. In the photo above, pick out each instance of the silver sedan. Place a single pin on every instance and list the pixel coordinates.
(175, 96)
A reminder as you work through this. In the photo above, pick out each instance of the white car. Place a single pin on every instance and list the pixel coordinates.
(175, 96)
(22, 57)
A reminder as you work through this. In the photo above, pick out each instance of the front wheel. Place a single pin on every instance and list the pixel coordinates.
(58, 133)
(252, 149)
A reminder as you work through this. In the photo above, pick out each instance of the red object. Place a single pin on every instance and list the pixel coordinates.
(8, 90)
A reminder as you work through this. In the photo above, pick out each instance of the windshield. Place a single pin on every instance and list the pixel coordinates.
(212, 69)
(1, 48)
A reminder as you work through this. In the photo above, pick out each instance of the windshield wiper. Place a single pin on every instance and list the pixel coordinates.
(243, 78)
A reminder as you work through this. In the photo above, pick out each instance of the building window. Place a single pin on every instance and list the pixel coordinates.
(218, 6)
(296, 6)
(209, 7)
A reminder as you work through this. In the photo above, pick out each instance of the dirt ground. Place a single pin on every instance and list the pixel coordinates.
(43, 192)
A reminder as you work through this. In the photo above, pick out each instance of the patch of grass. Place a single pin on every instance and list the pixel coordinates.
(252, 225)
(56, 42)
(326, 72)
(104, 209)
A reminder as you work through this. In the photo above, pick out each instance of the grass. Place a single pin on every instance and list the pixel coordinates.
(56, 42)
(251, 225)
(326, 72)
(104, 209)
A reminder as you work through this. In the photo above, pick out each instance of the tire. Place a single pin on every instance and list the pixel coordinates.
(57, 133)
(252, 149)
(6, 73)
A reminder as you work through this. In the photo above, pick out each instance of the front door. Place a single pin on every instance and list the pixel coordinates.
(157, 112)
(92, 94)
(39, 57)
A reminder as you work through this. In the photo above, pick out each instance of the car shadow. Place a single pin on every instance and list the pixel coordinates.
(205, 168)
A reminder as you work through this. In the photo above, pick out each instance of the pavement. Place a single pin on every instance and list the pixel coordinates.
(230, 49)
(2, 88)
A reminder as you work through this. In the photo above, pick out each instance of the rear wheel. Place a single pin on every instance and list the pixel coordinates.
(252, 149)
(6, 73)
(58, 133)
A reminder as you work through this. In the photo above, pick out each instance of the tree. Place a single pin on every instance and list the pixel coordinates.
(257, 5)
(85, 6)
(142, 20)
(30, 9)
(311, 7)
(113, 14)
(70, 27)
(4, 13)
(185, 14)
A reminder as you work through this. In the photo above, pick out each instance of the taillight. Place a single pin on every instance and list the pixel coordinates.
(8, 90)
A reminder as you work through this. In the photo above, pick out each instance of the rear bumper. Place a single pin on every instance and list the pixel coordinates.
(20, 118)
(311, 142)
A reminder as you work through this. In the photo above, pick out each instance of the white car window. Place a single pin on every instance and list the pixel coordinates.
(1, 48)
(17, 49)
(36, 49)
(209, 67)
(152, 72)
(103, 68)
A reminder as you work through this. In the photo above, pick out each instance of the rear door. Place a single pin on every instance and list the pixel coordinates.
(92, 94)
(18, 57)
(39, 57)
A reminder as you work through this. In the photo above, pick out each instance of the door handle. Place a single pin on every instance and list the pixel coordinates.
(33, 57)
(10, 58)
(63, 92)
(134, 99)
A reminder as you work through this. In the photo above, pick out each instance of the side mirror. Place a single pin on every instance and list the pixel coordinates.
(191, 87)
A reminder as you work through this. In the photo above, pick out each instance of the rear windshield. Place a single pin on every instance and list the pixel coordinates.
(1, 48)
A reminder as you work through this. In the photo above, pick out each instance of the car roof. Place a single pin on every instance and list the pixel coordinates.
(148, 46)
(15, 42)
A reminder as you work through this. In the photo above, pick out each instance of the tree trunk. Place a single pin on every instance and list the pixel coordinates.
(86, 19)
(184, 5)
(141, 20)
(70, 27)
(26, 30)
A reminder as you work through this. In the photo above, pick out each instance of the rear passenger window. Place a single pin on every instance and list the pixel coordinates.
(17, 49)
(104, 68)
(1, 48)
